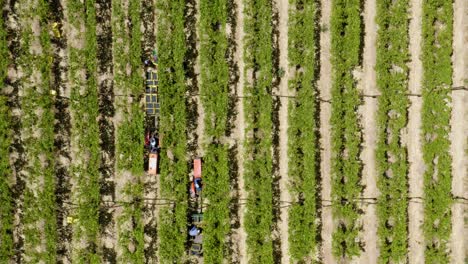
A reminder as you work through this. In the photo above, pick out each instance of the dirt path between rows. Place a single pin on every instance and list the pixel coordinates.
(151, 183)
(417, 167)
(465, 82)
(200, 112)
(17, 152)
(368, 119)
(324, 85)
(459, 125)
(285, 196)
(240, 236)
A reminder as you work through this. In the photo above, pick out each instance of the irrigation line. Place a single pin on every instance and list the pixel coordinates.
(285, 204)
(458, 88)
(363, 200)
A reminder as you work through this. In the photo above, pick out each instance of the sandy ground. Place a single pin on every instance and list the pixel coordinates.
(324, 85)
(465, 81)
(285, 196)
(368, 123)
(200, 111)
(152, 192)
(416, 169)
(459, 124)
(14, 74)
(240, 234)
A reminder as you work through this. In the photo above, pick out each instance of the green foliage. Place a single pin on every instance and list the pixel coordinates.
(437, 30)
(3, 49)
(85, 133)
(6, 201)
(171, 48)
(258, 57)
(346, 137)
(391, 155)
(132, 215)
(214, 88)
(131, 132)
(39, 208)
(302, 133)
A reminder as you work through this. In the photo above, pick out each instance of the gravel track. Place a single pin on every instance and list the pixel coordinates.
(17, 156)
(151, 183)
(417, 167)
(239, 134)
(324, 85)
(368, 118)
(192, 73)
(200, 112)
(285, 196)
(458, 136)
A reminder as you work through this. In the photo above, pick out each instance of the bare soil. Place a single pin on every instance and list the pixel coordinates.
(192, 72)
(324, 85)
(283, 127)
(458, 136)
(151, 183)
(200, 111)
(17, 155)
(240, 236)
(417, 167)
(465, 82)
(368, 123)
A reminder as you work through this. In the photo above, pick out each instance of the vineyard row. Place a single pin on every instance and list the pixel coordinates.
(215, 100)
(303, 148)
(85, 135)
(170, 41)
(346, 31)
(258, 107)
(437, 31)
(391, 154)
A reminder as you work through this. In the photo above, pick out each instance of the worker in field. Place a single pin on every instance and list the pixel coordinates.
(147, 139)
(153, 144)
(153, 60)
(194, 231)
(56, 29)
(154, 56)
(149, 63)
